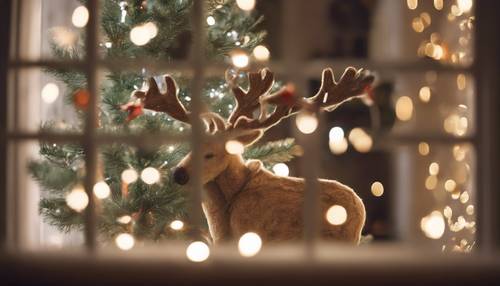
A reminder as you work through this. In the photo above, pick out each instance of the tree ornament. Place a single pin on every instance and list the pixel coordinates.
(81, 99)
(134, 109)
(239, 195)
(123, 9)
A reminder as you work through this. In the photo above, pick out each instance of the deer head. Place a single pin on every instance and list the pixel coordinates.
(251, 117)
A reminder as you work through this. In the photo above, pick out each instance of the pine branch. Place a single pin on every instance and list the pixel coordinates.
(274, 152)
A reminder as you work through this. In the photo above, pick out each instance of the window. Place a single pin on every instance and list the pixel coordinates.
(412, 148)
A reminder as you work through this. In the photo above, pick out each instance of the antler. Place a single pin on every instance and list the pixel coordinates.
(169, 103)
(330, 95)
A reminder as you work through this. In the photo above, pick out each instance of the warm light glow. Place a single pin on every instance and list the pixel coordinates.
(412, 4)
(425, 94)
(418, 25)
(433, 225)
(150, 175)
(101, 190)
(434, 168)
(198, 251)
(470, 209)
(249, 244)
(438, 4)
(448, 212)
(210, 20)
(306, 122)
(176, 224)
(261, 53)
(50, 92)
(151, 29)
(129, 176)
(338, 147)
(336, 134)
(77, 199)
(80, 17)
(404, 108)
(450, 185)
(235, 147)
(281, 169)
(361, 141)
(431, 183)
(126, 219)
(336, 215)
(465, 5)
(125, 241)
(240, 59)
(377, 189)
(464, 197)
(426, 19)
(461, 81)
(140, 35)
(455, 124)
(423, 148)
(246, 5)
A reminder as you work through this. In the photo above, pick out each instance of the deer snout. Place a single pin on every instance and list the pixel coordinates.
(181, 176)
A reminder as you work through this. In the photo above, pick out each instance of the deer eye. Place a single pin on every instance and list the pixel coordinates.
(209, 156)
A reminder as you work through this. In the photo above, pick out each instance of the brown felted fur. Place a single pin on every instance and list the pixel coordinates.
(247, 197)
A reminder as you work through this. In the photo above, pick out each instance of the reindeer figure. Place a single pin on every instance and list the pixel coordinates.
(243, 196)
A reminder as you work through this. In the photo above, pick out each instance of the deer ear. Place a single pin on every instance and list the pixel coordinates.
(250, 137)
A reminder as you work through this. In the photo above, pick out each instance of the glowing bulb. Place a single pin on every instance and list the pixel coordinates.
(404, 108)
(246, 5)
(176, 224)
(249, 244)
(77, 199)
(210, 20)
(377, 189)
(125, 241)
(459, 153)
(338, 147)
(126, 219)
(361, 141)
(139, 36)
(423, 148)
(464, 197)
(261, 53)
(281, 169)
(431, 183)
(50, 92)
(101, 190)
(235, 147)
(336, 134)
(412, 4)
(433, 225)
(464, 5)
(418, 25)
(450, 185)
(425, 94)
(448, 212)
(434, 168)
(129, 176)
(461, 81)
(438, 4)
(151, 28)
(198, 251)
(80, 17)
(240, 59)
(336, 215)
(306, 122)
(150, 175)
(470, 209)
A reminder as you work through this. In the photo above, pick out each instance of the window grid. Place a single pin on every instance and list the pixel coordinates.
(196, 65)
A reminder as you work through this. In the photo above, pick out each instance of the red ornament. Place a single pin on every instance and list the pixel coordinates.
(134, 109)
(288, 94)
(81, 99)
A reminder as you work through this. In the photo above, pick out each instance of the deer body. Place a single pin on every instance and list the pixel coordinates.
(247, 197)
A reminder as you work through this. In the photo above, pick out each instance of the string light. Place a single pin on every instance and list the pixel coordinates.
(423, 148)
(404, 108)
(434, 168)
(470, 209)
(150, 175)
(361, 141)
(338, 147)
(461, 81)
(412, 4)
(377, 189)
(129, 176)
(438, 4)
(418, 25)
(77, 199)
(246, 5)
(234, 147)
(433, 225)
(50, 92)
(126, 219)
(281, 169)
(336, 134)
(465, 5)
(125, 241)
(464, 197)
(197, 251)
(176, 224)
(151, 29)
(139, 36)
(80, 17)
(306, 122)
(240, 59)
(101, 190)
(431, 183)
(261, 53)
(448, 212)
(450, 185)
(210, 20)
(424, 94)
(336, 215)
(249, 244)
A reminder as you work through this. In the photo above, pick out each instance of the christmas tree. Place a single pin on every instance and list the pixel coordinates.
(135, 191)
